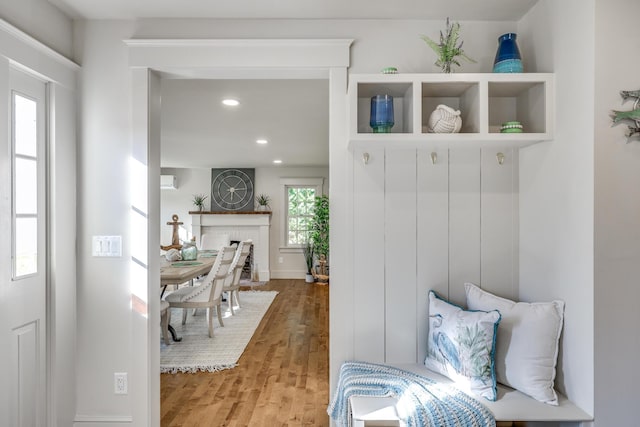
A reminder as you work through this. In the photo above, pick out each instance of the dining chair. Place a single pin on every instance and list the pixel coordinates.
(165, 318)
(208, 293)
(214, 241)
(232, 282)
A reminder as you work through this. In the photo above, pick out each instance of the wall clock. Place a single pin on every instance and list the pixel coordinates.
(232, 189)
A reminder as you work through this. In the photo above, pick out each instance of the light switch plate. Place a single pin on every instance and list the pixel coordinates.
(106, 246)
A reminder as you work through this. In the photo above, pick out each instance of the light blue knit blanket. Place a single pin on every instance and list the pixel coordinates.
(422, 402)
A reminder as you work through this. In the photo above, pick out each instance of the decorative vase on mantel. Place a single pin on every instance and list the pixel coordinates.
(508, 59)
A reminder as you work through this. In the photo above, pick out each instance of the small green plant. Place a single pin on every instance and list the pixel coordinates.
(448, 48)
(263, 200)
(198, 200)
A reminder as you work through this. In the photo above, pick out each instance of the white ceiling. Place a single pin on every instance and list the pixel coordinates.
(198, 131)
(293, 114)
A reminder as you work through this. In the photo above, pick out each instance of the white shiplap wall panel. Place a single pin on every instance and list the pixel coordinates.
(369, 259)
(400, 256)
(432, 236)
(499, 223)
(464, 221)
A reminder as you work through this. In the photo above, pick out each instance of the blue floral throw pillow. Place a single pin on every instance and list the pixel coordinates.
(461, 346)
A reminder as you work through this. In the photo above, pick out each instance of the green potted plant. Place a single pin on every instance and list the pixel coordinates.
(308, 252)
(262, 202)
(448, 48)
(198, 201)
(320, 234)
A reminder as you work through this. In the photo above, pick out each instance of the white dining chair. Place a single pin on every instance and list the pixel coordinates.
(208, 294)
(232, 282)
(165, 318)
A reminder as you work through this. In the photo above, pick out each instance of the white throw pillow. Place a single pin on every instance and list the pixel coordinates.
(461, 346)
(527, 343)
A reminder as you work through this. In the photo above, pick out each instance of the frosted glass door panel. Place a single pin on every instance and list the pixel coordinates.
(25, 126)
(26, 186)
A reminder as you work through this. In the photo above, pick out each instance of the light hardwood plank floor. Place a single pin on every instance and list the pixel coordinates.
(283, 375)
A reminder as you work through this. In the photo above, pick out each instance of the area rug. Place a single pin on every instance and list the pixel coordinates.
(197, 352)
(250, 283)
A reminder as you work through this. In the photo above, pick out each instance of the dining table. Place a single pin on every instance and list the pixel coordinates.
(183, 271)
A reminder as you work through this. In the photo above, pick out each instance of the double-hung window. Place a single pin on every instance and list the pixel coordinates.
(299, 200)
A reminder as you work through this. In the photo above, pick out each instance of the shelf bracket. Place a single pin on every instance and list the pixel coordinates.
(434, 158)
(500, 158)
(365, 158)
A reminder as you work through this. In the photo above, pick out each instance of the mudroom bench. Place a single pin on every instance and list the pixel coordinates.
(511, 406)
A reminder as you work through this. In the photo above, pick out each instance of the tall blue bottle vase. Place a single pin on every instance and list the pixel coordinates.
(508, 59)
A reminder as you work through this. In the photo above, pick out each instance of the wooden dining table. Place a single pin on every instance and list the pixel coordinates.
(179, 272)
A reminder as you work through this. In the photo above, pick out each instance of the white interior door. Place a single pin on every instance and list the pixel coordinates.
(23, 329)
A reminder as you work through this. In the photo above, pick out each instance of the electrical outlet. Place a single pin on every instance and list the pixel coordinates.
(120, 383)
(280, 260)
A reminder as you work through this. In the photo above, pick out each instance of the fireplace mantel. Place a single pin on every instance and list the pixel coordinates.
(229, 213)
(239, 226)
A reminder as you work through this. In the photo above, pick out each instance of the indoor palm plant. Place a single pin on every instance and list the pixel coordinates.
(320, 234)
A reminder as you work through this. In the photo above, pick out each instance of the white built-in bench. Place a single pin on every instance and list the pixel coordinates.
(511, 405)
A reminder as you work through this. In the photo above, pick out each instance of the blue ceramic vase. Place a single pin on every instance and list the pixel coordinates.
(381, 119)
(508, 59)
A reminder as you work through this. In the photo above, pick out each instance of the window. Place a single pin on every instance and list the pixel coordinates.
(299, 214)
(299, 199)
(25, 186)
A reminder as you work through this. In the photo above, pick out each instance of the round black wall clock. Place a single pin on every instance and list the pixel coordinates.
(232, 189)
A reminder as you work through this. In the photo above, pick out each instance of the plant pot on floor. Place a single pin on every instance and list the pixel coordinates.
(309, 278)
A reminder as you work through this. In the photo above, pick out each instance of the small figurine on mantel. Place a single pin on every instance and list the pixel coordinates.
(175, 238)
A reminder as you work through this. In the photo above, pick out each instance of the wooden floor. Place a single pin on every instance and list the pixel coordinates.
(283, 375)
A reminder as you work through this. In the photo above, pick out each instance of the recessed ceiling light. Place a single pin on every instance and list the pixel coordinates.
(231, 102)
(261, 141)
(277, 162)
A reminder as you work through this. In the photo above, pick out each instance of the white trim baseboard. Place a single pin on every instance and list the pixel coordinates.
(288, 274)
(101, 419)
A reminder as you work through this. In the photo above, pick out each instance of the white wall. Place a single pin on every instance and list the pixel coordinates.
(556, 178)
(104, 291)
(378, 43)
(617, 219)
(267, 181)
(556, 187)
(41, 20)
(104, 162)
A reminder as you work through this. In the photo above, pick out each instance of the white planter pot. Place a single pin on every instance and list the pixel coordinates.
(309, 278)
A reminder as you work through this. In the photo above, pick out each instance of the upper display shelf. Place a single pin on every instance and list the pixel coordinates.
(486, 102)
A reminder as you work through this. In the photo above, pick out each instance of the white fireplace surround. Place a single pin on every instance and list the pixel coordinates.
(254, 226)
